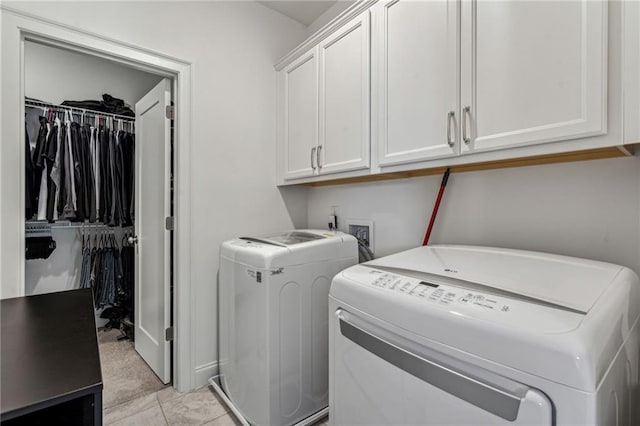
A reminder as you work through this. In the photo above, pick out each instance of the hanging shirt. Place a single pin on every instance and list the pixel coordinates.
(125, 185)
(118, 178)
(50, 157)
(44, 177)
(115, 201)
(28, 182)
(41, 140)
(77, 170)
(70, 186)
(62, 189)
(132, 184)
(41, 143)
(87, 174)
(105, 177)
(95, 162)
(55, 170)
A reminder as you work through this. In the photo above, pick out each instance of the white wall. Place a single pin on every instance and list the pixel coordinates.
(587, 209)
(232, 46)
(55, 75)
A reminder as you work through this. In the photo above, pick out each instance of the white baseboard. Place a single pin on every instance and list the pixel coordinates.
(204, 372)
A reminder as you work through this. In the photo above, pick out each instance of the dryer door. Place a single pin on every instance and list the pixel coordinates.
(379, 377)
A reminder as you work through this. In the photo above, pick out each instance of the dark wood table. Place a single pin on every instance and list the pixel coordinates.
(50, 364)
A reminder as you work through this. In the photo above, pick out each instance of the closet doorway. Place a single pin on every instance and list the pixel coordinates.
(122, 200)
(18, 28)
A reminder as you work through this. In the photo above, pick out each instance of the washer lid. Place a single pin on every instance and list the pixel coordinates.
(290, 248)
(288, 238)
(563, 281)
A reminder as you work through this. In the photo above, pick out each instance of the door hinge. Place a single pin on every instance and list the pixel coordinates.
(169, 223)
(168, 334)
(170, 112)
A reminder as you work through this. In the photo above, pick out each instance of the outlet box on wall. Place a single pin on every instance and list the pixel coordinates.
(362, 229)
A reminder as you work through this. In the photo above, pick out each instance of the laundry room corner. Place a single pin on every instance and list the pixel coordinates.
(296, 201)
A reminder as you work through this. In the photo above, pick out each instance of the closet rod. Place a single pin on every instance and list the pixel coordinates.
(67, 224)
(39, 104)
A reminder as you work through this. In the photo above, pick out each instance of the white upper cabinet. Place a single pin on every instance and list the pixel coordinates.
(298, 129)
(392, 86)
(532, 72)
(344, 98)
(417, 79)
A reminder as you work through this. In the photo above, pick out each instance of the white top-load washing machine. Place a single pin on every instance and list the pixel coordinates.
(442, 335)
(274, 322)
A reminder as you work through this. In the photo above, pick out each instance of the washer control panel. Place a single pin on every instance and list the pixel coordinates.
(437, 293)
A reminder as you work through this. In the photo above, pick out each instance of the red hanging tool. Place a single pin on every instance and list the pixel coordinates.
(434, 213)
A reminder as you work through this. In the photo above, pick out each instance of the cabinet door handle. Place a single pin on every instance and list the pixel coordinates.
(318, 159)
(465, 114)
(313, 152)
(450, 118)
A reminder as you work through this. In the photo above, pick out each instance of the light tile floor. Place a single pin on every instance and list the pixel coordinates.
(132, 398)
(168, 408)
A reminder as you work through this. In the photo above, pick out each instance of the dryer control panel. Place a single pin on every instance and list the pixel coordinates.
(437, 293)
(378, 287)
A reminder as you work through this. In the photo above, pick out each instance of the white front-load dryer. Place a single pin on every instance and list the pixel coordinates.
(454, 335)
(274, 322)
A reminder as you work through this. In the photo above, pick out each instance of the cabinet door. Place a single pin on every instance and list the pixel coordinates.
(417, 80)
(344, 98)
(299, 120)
(532, 72)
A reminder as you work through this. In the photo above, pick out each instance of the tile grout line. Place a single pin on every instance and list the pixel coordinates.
(134, 414)
(226, 413)
(217, 402)
(164, 416)
(125, 402)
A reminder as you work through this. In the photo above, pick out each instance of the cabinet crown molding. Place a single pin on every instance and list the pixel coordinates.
(350, 13)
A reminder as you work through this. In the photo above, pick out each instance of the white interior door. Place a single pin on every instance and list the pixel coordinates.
(152, 200)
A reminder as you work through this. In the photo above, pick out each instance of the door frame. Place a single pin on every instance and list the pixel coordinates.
(19, 27)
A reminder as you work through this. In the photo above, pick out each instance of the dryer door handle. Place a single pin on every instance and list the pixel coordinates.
(501, 402)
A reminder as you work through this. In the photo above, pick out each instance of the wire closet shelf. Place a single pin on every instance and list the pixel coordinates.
(79, 111)
(37, 226)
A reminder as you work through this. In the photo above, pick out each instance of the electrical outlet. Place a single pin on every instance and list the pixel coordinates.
(362, 230)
